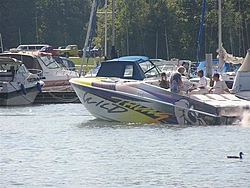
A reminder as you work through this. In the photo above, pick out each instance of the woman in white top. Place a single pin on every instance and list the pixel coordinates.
(219, 85)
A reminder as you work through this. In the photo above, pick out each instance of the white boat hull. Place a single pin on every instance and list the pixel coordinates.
(19, 96)
(138, 102)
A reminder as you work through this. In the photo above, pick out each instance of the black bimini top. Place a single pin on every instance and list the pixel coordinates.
(127, 67)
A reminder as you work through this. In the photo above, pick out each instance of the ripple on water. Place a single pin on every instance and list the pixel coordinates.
(64, 146)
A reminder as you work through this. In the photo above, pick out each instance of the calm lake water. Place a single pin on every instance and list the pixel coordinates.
(62, 145)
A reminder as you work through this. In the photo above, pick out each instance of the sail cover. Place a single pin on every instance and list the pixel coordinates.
(229, 58)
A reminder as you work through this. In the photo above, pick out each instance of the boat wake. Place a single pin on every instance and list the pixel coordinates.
(245, 119)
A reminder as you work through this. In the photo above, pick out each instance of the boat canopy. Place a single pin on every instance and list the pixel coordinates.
(129, 67)
(136, 59)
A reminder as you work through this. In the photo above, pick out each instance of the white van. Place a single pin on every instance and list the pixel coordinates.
(28, 47)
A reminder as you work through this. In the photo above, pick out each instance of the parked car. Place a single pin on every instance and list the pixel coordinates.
(70, 50)
(93, 51)
(65, 63)
(49, 49)
(88, 51)
(28, 47)
(62, 47)
(96, 51)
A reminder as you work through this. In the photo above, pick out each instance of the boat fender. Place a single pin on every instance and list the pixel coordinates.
(23, 89)
(39, 87)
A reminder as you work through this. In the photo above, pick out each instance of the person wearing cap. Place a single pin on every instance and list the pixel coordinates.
(176, 80)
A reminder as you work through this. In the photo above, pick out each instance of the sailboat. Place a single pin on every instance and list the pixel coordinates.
(241, 86)
(225, 64)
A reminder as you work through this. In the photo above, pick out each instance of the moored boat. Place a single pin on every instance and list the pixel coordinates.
(57, 88)
(45, 66)
(126, 90)
(17, 85)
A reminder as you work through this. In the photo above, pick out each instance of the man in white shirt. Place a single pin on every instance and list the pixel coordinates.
(202, 84)
(219, 85)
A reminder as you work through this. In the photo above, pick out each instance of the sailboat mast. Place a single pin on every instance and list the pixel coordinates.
(200, 32)
(113, 22)
(105, 48)
(219, 33)
(87, 36)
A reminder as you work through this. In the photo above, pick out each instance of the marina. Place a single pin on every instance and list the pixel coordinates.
(142, 102)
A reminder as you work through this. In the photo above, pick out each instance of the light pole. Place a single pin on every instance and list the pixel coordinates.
(105, 46)
(220, 36)
(36, 30)
(1, 40)
(19, 33)
(113, 22)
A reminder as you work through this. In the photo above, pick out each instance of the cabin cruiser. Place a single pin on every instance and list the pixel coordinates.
(169, 66)
(17, 85)
(45, 66)
(126, 89)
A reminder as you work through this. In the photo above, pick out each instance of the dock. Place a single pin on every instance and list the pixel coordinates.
(58, 94)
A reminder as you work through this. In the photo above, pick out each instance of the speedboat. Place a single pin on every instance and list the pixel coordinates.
(17, 85)
(126, 89)
(45, 66)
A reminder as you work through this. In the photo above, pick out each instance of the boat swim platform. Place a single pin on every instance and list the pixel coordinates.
(219, 100)
(56, 95)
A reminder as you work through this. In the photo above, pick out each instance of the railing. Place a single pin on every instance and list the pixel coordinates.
(38, 72)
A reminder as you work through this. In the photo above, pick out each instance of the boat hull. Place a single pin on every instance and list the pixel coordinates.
(144, 103)
(18, 97)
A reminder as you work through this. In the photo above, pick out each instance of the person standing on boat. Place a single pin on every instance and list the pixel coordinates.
(219, 85)
(164, 83)
(202, 84)
(176, 81)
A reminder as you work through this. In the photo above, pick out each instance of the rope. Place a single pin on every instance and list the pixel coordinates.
(62, 99)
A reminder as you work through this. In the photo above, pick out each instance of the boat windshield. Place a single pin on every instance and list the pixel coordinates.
(13, 68)
(234, 67)
(93, 71)
(21, 47)
(22, 69)
(150, 70)
(49, 62)
(167, 68)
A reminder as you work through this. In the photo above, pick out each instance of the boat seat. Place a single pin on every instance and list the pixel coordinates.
(200, 97)
(230, 97)
(216, 97)
(6, 76)
(207, 100)
(226, 99)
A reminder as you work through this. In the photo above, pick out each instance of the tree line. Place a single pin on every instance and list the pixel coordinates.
(156, 28)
